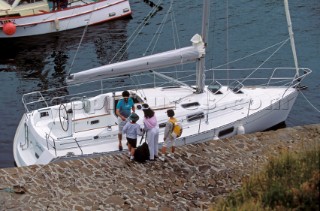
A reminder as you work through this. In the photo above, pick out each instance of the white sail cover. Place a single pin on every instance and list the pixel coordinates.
(156, 61)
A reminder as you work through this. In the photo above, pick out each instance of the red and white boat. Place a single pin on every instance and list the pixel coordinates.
(19, 18)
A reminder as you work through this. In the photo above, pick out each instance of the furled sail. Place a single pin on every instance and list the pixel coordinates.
(156, 61)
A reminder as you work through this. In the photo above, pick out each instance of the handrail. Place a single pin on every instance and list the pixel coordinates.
(48, 97)
(40, 99)
(26, 137)
(54, 143)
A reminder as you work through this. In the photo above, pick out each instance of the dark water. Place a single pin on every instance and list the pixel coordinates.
(42, 62)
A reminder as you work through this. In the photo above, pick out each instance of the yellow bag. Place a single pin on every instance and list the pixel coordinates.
(177, 128)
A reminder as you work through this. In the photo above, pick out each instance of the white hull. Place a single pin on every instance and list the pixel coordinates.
(69, 18)
(221, 120)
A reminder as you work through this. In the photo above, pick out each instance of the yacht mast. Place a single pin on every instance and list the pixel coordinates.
(201, 63)
(293, 47)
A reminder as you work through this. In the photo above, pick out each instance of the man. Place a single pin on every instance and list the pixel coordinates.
(123, 111)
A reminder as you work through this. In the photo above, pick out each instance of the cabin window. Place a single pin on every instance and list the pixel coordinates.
(112, 14)
(44, 114)
(25, 2)
(195, 116)
(226, 131)
(94, 122)
(188, 105)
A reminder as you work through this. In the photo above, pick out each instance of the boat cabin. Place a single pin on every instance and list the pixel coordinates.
(14, 8)
(11, 8)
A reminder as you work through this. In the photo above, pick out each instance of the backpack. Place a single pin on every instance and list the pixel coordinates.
(142, 153)
(177, 128)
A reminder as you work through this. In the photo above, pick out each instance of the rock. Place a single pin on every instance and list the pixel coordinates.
(194, 179)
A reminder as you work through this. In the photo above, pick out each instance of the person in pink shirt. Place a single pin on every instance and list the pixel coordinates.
(152, 131)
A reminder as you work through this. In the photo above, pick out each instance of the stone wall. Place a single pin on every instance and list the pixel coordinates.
(192, 180)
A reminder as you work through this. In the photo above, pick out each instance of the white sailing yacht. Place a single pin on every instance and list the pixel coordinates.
(76, 125)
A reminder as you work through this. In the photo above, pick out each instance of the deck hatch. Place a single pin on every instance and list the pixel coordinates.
(188, 105)
(215, 89)
(195, 116)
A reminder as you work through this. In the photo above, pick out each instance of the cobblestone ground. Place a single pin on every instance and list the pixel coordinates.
(191, 180)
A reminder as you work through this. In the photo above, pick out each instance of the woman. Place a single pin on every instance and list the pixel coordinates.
(152, 130)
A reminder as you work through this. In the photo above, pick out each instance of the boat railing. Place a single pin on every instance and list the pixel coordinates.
(280, 76)
(261, 77)
(26, 144)
(49, 144)
(32, 99)
(52, 143)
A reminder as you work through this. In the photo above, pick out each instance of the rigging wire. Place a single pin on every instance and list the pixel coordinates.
(263, 62)
(137, 86)
(74, 58)
(176, 39)
(175, 32)
(309, 102)
(154, 41)
(249, 55)
(83, 34)
(135, 33)
(280, 46)
(158, 32)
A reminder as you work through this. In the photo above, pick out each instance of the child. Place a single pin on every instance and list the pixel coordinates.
(132, 130)
(168, 139)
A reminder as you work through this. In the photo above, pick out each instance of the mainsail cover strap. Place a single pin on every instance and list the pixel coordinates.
(156, 61)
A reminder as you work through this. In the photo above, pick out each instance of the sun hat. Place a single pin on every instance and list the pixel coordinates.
(134, 117)
(145, 106)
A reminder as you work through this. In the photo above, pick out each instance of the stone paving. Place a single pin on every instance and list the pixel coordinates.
(192, 180)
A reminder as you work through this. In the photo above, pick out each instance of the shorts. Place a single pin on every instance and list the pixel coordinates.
(121, 124)
(169, 143)
(132, 142)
